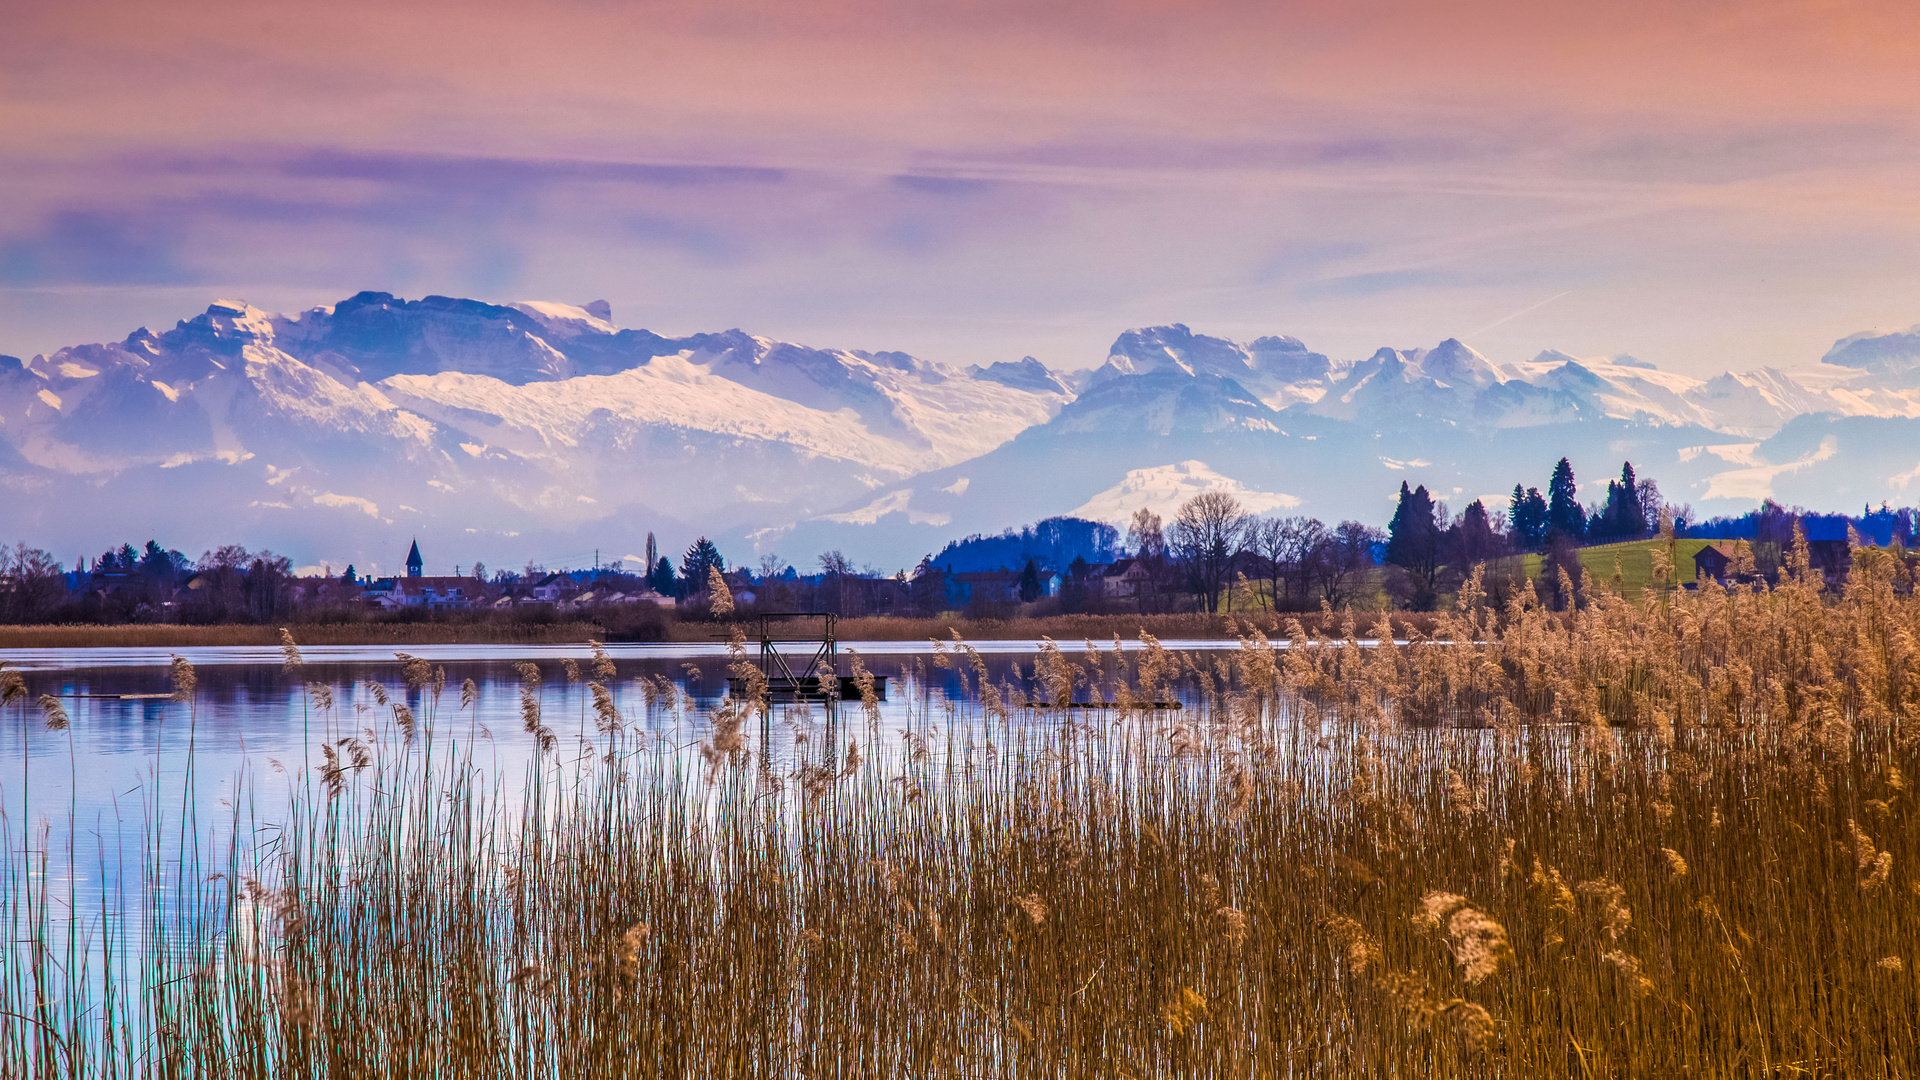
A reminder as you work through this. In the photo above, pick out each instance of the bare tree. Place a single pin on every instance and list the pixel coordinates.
(30, 584)
(1301, 538)
(267, 580)
(1205, 540)
(1285, 547)
(1144, 536)
(837, 569)
(1341, 559)
(1266, 538)
(1149, 546)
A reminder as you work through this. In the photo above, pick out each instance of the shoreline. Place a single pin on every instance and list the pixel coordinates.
(869, 628)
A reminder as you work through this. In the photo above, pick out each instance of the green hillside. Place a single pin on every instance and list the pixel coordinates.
(1636, 562)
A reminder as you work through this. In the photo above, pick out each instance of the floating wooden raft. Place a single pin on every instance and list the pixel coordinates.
(119, 697)
(1100, 705)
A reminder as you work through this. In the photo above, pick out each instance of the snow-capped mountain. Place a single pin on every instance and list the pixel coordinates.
(1896, 353)
(545, 430)
(1172, 413)
(378, 416)
(1279, 371)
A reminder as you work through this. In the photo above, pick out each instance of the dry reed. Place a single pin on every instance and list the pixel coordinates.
(1664, 837)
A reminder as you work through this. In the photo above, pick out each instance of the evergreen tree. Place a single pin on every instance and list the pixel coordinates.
(1622, 517)
(1472, 539)
(1564, 515)
(662, 578)
(1073, 586)
(1632, 517)
(1527, 517)
(1626, 518)
(1030, 582)
(1412, 534)
(1413, 543)
(701, 557)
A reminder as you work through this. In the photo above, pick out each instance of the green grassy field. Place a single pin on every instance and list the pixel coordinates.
(1636, 562)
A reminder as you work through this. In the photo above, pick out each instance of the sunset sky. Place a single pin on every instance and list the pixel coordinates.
(1704, 185)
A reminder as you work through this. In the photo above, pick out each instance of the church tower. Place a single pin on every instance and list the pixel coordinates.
(414, 565)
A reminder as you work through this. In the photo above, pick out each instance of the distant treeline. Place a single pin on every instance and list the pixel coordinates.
(1052, 544)
(1774, 524)
(1212, 556)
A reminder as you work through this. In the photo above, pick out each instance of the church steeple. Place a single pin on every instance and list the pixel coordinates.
(414, 563)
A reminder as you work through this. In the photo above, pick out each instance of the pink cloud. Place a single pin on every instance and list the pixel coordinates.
(1717, 183)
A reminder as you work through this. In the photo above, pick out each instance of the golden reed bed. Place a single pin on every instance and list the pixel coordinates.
(1667, 838)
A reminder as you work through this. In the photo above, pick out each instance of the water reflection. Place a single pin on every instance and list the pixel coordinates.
(253, 730)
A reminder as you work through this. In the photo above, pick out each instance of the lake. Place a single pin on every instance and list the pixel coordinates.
(253, 728)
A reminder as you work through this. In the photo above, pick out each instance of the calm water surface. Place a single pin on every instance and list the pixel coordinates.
(252, 731)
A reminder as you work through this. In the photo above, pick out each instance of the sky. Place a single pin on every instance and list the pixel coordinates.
(1703, 185)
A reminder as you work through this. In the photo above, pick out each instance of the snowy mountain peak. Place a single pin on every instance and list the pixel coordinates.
(1156, 347)
(1886, 353)
(1548, 358)
(1028, 374)
(1454, 363)
(1280, 371)
(569, 320)
(1289, 360)
(225, 327)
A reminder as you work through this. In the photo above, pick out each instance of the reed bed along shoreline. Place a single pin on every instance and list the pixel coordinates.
(1672, 837)
(579, 631)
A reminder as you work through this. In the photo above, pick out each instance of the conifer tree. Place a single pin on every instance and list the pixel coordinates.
(701, 557)
(1030, 582)
(1564, 515)
(1527, 517)
(1413, 542)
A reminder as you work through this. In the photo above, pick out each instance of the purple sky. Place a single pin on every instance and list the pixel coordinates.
(1704, 185)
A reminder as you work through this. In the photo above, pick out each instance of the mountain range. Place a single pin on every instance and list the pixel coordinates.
(544, 431)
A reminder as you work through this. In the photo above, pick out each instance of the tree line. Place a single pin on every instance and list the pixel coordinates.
(1213, 555)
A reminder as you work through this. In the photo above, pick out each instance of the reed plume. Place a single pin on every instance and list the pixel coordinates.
(54, 713)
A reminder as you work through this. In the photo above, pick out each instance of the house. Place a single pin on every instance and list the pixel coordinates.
(435, 593)
(318, 589)
(1123, 580)
(555, 589)
(417, 590)
(986, 586)
(1713, 561)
